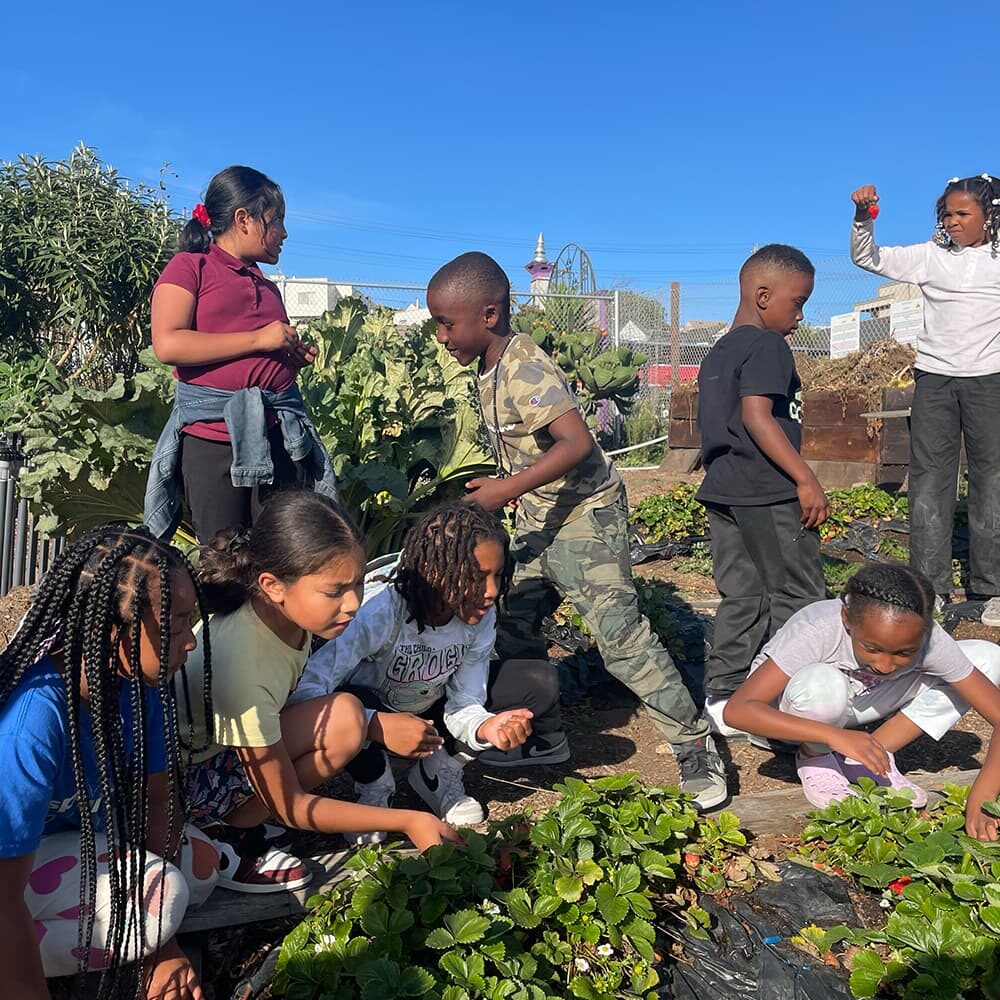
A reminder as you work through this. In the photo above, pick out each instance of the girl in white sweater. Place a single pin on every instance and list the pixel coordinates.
(957, 374)
(417, 655)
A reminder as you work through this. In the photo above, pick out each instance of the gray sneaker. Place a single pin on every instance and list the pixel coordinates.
(991, 613)
(702, 772)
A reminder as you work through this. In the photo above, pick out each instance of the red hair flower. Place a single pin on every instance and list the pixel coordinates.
(900, 884)
(200, 214)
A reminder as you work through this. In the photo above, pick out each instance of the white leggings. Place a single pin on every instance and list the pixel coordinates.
(53, 899)
(823, 693)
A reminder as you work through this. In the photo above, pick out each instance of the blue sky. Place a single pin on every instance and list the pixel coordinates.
(664, 138)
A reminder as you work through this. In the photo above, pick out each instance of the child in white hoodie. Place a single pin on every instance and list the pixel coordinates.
(417, 655)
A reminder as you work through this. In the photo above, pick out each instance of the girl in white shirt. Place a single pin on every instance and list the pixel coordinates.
(417, 655)
(957, 375)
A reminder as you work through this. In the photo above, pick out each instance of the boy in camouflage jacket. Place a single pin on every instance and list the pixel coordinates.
(571, 536)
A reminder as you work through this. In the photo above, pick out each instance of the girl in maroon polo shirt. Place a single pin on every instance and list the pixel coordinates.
(223, 325)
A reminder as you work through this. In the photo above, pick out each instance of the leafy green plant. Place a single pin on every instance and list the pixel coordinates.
(644, 422)
(699, 561)
(562, 907)
(90, 449)
(862, 503)
(942, 935)
(672, 514)
(396, 414)
(836, 572)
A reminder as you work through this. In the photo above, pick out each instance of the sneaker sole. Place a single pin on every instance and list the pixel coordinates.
(262, 890)
(420, 788)
(713, 802)
(543, 760)
(990, 622)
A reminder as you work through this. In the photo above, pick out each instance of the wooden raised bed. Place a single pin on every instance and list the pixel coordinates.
(842, 446)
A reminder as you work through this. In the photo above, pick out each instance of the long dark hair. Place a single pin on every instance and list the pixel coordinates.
(230, 189)
(890, 588)
(100, 584)
(438, 570)
(986, 190)
(297, 533)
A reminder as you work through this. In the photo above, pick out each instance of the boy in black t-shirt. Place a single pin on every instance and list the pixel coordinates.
(764, 503)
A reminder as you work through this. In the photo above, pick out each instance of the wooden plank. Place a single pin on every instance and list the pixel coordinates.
(225, 908)
(679, 461)
(784, 810)
(845, 444)
(684, 434)
(827, 408)
(684, 403)
(840, 475)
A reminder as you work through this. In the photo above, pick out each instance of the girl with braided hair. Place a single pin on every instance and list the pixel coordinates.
(876, 656)
(417, 655)
(96, 862)
(957, 376)
(297, 573)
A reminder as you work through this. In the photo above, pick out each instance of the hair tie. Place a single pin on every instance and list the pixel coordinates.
(954, 180)
(200, 214)
(987, 178)
(240, 540)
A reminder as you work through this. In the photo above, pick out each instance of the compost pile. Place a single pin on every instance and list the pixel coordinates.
(881, 364)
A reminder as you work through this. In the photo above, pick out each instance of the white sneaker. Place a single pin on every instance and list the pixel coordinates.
(438, 781)
(712, 714)
(991, 613)
(373, 793)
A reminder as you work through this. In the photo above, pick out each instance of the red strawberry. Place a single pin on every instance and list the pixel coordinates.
(691, 859)
(873, 211)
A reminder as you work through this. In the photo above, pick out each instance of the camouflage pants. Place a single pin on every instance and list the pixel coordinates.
(587, 562)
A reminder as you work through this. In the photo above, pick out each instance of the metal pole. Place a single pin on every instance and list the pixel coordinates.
(618, 318)
(18, 579)
(675, 336)
(6, 521)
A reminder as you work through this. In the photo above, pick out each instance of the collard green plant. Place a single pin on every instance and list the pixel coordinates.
(80, 251)
(396, 414)
(90, 449)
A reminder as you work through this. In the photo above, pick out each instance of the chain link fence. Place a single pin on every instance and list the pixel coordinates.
(674, 326)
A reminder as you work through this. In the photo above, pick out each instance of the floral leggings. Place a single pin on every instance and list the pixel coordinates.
(53, 899)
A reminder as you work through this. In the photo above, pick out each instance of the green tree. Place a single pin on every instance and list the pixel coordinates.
(80, 250)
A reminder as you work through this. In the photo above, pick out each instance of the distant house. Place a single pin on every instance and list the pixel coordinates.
(308, 298)
(413, 315)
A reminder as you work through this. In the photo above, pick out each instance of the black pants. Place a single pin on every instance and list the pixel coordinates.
(214, 502)
(945, 409)
(766, 569)
(530, 684)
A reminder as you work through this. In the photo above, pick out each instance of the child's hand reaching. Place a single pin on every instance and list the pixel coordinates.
(405, 734)
(506, 730)
(977, 823)
(862, 747)
(489, 492)
(426, 830)
(864, 198)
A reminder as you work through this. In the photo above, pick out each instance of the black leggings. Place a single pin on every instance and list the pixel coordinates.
(214, 502)
(530, 684)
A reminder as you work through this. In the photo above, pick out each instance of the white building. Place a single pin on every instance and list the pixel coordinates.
(413, 315)
(308, 298)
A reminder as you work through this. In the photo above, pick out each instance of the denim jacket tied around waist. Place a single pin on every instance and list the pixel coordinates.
(245, 414)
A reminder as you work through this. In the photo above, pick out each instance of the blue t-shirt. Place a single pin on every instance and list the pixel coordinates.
(38, 793)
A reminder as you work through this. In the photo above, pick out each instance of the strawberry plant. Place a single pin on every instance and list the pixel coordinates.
(566, 906)
(942, 935)
(673, 514)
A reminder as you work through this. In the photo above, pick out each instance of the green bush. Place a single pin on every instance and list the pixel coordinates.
(673, 514)
(80, 251)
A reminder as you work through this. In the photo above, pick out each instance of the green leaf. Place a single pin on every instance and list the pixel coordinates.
(626, 879)
(468, 926)
(440, 938)
(415, 982)
(867, 970)
(570, 889)
(613, 907)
